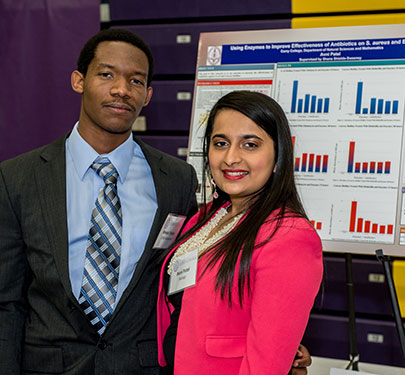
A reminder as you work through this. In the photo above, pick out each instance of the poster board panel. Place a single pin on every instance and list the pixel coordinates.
(343, 91)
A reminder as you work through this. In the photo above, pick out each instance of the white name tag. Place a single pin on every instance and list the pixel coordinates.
(184, 272)
(170, 229)
(336, 371)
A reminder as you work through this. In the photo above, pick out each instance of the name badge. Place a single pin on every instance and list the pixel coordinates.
(184, 272)
(170, 229)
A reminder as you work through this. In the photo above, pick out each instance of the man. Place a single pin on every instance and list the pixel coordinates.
(79, 222)
(46, 202)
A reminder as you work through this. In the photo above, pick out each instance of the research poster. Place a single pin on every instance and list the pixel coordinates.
(343, 91)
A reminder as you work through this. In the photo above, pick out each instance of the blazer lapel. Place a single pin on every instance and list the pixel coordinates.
(51, 180)
(160, 175)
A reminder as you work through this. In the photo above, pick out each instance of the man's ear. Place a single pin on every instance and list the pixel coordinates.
(77, 81)
(149, 93)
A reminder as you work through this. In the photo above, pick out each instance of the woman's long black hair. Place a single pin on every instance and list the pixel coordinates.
(278, 196)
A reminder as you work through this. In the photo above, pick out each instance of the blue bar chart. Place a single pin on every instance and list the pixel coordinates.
(366, 166)
(310, 161)
(376, 105)
(309, 103)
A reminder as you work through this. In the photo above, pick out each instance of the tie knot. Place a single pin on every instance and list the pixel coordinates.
(106, 170)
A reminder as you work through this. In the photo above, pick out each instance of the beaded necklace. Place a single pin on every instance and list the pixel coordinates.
(199, 239)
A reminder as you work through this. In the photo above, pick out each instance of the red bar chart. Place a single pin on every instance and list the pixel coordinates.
(316, 224)
(362, 225)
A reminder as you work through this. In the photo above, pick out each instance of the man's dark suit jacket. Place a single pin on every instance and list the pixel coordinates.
(43, 330)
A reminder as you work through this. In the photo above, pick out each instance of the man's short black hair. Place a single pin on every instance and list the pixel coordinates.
(113, 35)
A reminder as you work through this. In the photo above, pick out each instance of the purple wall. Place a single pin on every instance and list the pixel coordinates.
(39, 44)
(155, 9)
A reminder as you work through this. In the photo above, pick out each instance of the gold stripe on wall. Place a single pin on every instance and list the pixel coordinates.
(326, 6)
(398, 275)
(358, 20)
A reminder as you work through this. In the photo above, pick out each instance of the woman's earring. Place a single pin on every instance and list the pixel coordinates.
(214, 189)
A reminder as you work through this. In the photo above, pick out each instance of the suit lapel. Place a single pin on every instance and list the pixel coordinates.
(160, 176)
(51, 180)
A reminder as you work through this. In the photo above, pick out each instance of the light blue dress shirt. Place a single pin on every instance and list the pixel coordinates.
(136, 191)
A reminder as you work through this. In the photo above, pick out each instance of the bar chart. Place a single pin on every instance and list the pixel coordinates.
(362, 225)
(309, 103)
(310, 161)
(371, 167)
(376, 105)
(317, 224)
(317, 205)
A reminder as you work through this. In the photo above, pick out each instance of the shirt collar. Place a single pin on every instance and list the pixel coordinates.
(83, 155)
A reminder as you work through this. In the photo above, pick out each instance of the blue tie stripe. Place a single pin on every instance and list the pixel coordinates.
(94, 283)
(102, 247)
(101, 272)
(98, 317)
(105, 239)
(107, 221)
(110, 267)
(100, 295)
(112, 205)
(108, 175)
(105, 252)
(104, 166)
(113, 209)
(97, 313)
(96, 290)
(100, 218)
(110, 238)
(94, 313)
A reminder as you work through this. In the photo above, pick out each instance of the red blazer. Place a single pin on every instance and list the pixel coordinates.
(263, 335)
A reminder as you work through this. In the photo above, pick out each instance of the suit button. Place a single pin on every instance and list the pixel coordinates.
(102, 345)
(72, 306)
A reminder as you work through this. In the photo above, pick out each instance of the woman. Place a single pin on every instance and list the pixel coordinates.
(259, 259)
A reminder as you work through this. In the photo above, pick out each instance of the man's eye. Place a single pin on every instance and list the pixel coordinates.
(105, 74)
(137, 82)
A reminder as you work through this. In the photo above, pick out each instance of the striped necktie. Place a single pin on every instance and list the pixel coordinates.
(102, 263)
